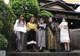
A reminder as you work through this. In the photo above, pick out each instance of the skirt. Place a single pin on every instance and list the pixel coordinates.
(31, 37)
(51, 40)
(64, 39)
(41, 38)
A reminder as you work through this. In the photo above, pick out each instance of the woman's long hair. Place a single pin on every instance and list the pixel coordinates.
(22, 20)
(32, 18)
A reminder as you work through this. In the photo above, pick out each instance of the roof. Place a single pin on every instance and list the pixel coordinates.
(71, 12)
(69, 4)
(60, 3)
(73, 5)
(63, 4)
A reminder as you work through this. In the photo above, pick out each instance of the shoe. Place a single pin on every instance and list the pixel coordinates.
(35, 50)
(18, 50)
(68, 50)
(65, 50)
(31, 50)
(41, 50)
(52, 50)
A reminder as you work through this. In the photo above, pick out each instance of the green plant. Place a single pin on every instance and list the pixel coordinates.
(1, 25)
(6, 20)
(3, 42)
(24, 7)
(45, 14)
(28, 16)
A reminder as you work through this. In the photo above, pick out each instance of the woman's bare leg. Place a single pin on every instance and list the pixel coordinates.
(65, 46)
(68, 46)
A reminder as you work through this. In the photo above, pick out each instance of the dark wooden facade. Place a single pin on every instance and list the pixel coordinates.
(61, 9)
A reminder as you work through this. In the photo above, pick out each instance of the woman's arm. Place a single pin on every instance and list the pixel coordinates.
(36, 29)
(25, 26)
(60, 26)
(28, 29)
(15, 25)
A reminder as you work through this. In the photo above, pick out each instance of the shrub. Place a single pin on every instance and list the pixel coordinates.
(6, 24)
(6, 20)
(45, 14)
(1, 25)
(3, 42)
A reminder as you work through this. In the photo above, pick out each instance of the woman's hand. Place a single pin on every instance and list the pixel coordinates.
(29, 29)
(36, 29)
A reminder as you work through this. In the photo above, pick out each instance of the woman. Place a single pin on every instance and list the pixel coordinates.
(51, 36)
(20, 30)
(31, 40)
(41, 34)
(64, 35)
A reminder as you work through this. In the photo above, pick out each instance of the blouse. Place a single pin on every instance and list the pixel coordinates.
(42, 26)
(20, 26)
(31, 26)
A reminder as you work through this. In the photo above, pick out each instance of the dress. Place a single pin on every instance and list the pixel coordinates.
(51, 36)
(31, 33)
(41, 35)
(64, 33)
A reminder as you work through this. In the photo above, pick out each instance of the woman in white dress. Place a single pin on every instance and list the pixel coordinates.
(64, 35)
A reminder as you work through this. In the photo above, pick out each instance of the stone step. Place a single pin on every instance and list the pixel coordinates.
(73, 53)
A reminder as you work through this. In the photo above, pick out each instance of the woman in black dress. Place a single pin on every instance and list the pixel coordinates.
(31, 40)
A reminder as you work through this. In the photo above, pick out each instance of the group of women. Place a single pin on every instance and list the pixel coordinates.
(39, 33)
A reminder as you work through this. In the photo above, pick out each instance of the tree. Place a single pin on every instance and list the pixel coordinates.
(24, 7)
(6, 20)
(45, 14)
